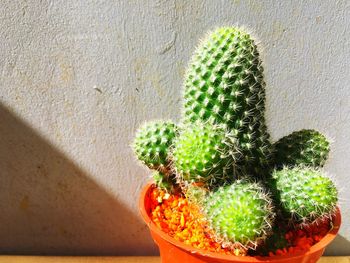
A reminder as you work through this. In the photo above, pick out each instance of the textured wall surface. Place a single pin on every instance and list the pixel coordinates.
(78, 77)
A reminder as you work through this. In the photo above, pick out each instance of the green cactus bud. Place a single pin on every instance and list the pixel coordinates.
(224, 85)
(165, 182)
(241, 212)
(304, 147)
(195, 193)
(305, 193)
(152, 142)
(203, 153)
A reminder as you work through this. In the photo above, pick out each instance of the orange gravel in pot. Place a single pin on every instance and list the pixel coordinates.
(176, 217)
(301, 240)
(173, 215)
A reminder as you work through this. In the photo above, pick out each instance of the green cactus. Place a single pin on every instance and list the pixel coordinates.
(277, 240)
(195, 194)
(224, 85)
(223, 138)
(304, 147)
(241, 212)
(152, 142)
(203, 153)
(305, 193)
(165, 181)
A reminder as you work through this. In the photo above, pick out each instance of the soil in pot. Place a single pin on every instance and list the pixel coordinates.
(182, 221)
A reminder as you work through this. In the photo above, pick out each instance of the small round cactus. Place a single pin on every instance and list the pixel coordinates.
(241, 212)
(304, 147)
(203, 153)
(224, 85)
(152, 143)
(305, 193)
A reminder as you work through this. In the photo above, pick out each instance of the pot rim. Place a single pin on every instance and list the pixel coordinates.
(153, 227)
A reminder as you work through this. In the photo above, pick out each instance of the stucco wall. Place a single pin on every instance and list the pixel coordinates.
(78, 77)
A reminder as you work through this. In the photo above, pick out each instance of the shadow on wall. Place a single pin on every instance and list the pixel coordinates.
(50, 206)
(339, 247)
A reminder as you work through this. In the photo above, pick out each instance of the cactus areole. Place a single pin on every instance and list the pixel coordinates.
(220, 184)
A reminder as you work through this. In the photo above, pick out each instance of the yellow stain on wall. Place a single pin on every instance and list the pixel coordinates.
(155, 80)
(181, 69)
(255, 6)
(139, 65)
(278, 29)
(24, 203)
(67, 72)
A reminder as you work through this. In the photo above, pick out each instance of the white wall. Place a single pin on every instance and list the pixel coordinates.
(78, 77)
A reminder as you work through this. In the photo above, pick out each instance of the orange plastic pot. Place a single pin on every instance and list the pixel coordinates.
(173, 251)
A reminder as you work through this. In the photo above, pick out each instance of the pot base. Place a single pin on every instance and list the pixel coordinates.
(173, 251)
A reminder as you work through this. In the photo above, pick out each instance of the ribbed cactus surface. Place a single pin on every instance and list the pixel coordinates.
(224, 85)
(152, 142)
(304, 147)
(305, 193)
(203, 153)
(240, 212)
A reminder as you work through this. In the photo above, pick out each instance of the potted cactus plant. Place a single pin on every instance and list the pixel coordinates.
(222, 192)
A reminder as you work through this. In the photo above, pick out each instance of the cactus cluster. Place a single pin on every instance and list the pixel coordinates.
(220, 155)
